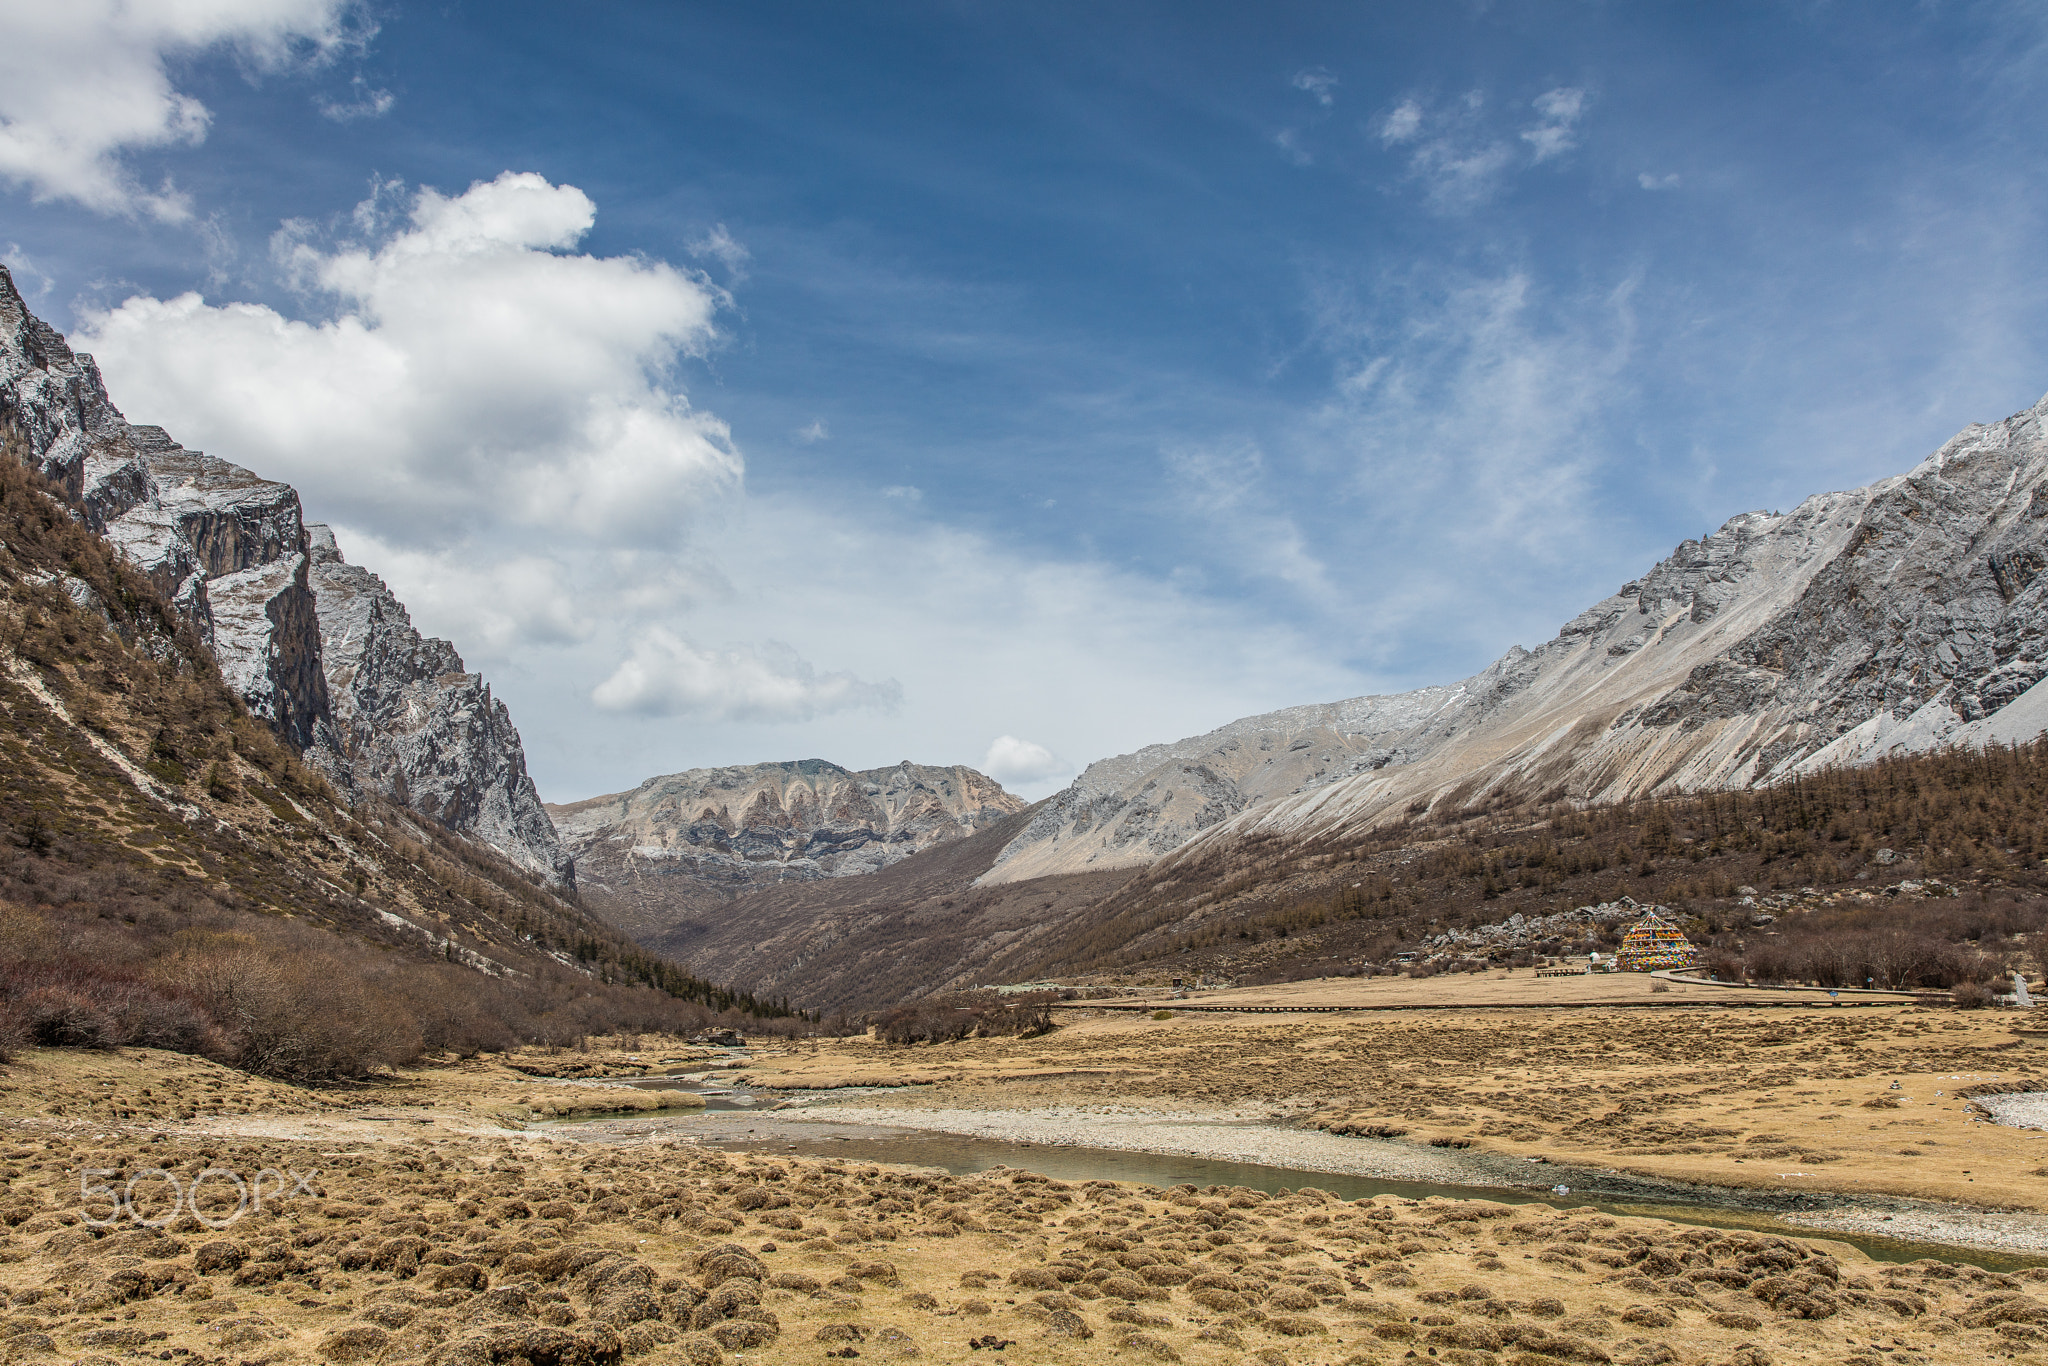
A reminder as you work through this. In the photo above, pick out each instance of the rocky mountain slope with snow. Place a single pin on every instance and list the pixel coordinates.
(686, 842)
(317, 648)
(1897, 617)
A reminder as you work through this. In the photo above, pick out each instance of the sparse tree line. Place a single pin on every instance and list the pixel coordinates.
(1269, 910)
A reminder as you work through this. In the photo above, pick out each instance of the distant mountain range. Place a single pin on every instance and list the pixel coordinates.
(1898, 618)
(677, 848)
(1901, 617)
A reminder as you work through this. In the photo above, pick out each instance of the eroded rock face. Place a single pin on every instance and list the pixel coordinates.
(410, 723)
(224, 547)
(1898, 617)
(316, 647)
(695, 839)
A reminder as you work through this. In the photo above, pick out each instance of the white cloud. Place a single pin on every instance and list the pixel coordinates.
(667, 675)
(723, 248)
(1014, 762)
(1227, 488)
(908, 493)
(815, 432)
(1289, 142)
(504, 604)
(1460, 176)
(1460, 157)
(364, 104)
(1476, 421)
(1402, 124)
(476, 371)
(1559, 111)
(1318, 83)
(84, 81)
(1658, 182)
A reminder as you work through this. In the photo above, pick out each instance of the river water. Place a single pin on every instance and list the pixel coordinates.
(743, 1123)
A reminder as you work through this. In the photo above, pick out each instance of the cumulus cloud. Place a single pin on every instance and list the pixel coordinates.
(503, 603)
(1014, 762)
(1318, 83)
(475, 370)
(667, 675)
(1559, 111)
(86, 81)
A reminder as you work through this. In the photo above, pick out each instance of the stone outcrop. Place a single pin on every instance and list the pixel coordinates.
(690, 841)
(224, 547)
(1902, 616)
(410, 723)
(378, 708)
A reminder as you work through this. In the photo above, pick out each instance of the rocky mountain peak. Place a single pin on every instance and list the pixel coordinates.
(690, 841)
(318, 648)
(1902, 616)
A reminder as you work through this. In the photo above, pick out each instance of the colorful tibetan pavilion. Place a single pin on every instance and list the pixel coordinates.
(1654, 943)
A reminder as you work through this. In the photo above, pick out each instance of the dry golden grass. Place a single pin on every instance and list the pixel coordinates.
(1796, 1098)
(501, 1249)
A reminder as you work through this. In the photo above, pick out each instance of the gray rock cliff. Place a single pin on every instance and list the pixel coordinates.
(410, 723)
(317, 648)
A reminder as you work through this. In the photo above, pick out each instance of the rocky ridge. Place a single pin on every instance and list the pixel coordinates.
(1519, 930)
(411, 723)
(689, 841)
(1887, 619)
(317, 648)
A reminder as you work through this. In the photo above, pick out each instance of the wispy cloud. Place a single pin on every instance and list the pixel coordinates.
(1228, 488)
(1472, 411)
(1318, 83)
(722, 247)
(1558, 113)
(814, 432)
(362, 103)
(1668, 181)
(1459, 152)
(1401, 124)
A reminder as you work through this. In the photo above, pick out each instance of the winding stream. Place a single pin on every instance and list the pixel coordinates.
(817, 1135)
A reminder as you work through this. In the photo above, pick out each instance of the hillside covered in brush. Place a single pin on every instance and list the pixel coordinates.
(173, 874)
(1918, 870)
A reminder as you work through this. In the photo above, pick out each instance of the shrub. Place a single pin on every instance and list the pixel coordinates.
(984, 1015)
(1971, 996)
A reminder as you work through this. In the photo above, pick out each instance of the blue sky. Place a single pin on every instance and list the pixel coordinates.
(886, 381)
